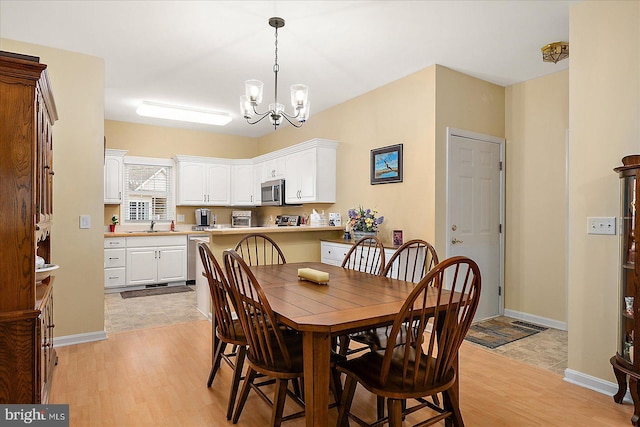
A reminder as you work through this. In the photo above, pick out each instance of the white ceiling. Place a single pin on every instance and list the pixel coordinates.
(199, 53)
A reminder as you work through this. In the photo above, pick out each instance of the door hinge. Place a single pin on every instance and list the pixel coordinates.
(499, 228)
(500, 165)
(499, 291)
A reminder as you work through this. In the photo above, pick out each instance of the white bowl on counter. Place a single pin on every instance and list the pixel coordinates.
(45, 271)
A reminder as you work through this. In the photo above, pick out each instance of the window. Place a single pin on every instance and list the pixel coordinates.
(148, 189)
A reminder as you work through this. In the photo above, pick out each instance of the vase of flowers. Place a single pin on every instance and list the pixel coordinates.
(114, 222)
(364, 222)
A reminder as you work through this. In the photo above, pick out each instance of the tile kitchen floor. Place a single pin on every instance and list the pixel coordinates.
(126, 314)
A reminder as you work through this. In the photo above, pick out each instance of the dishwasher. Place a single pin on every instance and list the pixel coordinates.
(194, 273)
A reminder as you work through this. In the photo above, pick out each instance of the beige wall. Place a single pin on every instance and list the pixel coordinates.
(78, 87)
(604, 117)
(537, 117)
(400, 112)
(166, 142)
(466, 103)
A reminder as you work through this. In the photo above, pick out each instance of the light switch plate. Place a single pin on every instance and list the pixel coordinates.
(601, 225)
(85, 221)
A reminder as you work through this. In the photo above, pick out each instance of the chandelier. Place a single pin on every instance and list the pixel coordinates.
(253, 96)
(554, 52)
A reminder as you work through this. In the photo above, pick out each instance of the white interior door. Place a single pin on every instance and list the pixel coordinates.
(475, 211)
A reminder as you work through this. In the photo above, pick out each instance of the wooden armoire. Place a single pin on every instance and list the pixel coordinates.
(27, 113)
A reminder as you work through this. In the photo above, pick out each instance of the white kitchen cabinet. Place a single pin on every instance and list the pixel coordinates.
(156, 259)
(311, 174)
(113, 176)
(243, 184)
(272, 169)
(114, 262)
(203, 181)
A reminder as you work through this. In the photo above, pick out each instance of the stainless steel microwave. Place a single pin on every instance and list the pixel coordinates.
(272, 193)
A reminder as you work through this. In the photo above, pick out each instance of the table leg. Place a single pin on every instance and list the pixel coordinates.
(316, 347)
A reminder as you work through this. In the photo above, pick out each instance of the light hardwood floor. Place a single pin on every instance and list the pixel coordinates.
(157, 377)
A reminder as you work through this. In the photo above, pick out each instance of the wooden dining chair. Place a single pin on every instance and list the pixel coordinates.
(366, 255)
(228, 329)
(273, 351)
(426, 364)
(410, 262)
(259, 249)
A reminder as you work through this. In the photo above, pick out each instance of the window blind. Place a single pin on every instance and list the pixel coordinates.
(148, 193)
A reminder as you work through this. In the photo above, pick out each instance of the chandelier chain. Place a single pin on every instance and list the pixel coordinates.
(276, 68)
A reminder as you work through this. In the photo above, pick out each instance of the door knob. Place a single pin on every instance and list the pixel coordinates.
(454, 241)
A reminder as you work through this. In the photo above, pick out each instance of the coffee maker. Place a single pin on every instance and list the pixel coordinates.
(203, 217)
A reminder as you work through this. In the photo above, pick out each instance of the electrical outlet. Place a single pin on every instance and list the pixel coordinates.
(180, 218)
(601, 225)
(85, 221)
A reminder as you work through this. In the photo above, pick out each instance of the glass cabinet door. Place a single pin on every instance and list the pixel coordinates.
(628, 308)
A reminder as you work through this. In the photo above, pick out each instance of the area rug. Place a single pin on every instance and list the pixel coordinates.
(494, 333)
(156, 291)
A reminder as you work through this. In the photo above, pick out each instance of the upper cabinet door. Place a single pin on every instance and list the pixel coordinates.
(219, 185)
(113, 179)
(242, 184)
(311, 175)
(274, 169)
(192, 183)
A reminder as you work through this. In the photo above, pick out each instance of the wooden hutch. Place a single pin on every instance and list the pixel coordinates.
(28, 111)
(626, 362)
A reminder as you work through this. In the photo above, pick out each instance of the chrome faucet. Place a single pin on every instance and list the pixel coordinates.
(152, 224)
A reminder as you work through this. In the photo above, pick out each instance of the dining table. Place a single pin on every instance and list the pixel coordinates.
(350, 301)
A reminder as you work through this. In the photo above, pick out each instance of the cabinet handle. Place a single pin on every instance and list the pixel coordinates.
(113, 277)
(114, 258)
(51, 326)
(52, 173)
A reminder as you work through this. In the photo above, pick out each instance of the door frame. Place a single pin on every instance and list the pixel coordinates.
(451, 132)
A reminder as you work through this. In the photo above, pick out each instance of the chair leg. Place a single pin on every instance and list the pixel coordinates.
(246, 387)
(278, 402)
(380, 406)
(394, 407)
(344, 344)
(215, 361)
(347, 399)
(450, 403)
(336, 385)
(237, 375)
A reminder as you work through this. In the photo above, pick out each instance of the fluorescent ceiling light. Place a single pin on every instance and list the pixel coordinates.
(185, 114)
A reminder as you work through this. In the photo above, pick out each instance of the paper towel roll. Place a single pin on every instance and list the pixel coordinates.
(312, 275)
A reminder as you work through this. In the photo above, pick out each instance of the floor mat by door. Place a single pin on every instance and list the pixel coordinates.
(494, 333)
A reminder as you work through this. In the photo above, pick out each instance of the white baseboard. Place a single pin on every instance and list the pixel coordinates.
(538, 320)
(593, 383)
(79, 338)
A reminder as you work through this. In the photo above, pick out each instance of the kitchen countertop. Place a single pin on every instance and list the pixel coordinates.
(225, 231)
